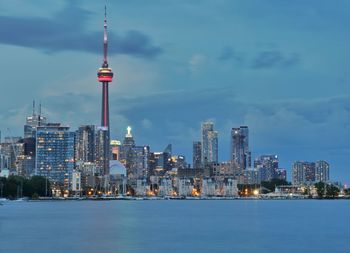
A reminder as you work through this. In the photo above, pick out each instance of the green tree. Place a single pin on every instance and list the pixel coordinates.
(320, 189)
(16, 186)
(326, 190)
(39, 185)
(347, 191)
(332, 191)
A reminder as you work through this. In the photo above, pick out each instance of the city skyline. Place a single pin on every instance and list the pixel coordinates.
(271, 84)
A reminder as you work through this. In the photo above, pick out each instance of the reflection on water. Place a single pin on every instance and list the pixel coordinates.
(175, 226)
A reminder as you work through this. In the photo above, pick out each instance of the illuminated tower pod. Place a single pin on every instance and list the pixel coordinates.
(105, 76)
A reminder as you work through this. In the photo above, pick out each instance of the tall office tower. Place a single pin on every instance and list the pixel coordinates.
(135, 158)
(85, 144)
(240, 154)
(54, 152)
(32, 122)
(105, 76)
(127, 145)
(197, 155)
(303, 173)
(137, 162)
(209, 143)
(267, 166)
(322, 171)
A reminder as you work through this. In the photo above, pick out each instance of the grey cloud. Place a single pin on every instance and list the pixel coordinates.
(262, 60)
(274, 58)
(67, 31)
(228, 53)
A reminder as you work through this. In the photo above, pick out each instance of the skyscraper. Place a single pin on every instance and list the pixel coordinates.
(322, 171)
(209, 143)
(105, 76)
(303, 173)
(267, 166)
(54, 152)
(240, 154)
(197, 154)
(85, 144)
(33, 121)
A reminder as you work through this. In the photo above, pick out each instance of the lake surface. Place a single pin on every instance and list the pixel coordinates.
(175, 226)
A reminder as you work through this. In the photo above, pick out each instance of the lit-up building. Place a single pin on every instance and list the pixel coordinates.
(32, 122)
(135, 158)
(128, 144)
(85, 144)
(303, 173)
(100, 151)
(322, 171)
(54, 152)
(240, 154)
(267, 166)
(209, 143)
(115, 150)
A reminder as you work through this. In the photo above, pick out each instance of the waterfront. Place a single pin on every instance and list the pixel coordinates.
(175, 226)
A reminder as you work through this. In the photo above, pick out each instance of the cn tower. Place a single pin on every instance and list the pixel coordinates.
(105, 76)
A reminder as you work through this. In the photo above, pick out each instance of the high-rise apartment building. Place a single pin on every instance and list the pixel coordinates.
(267, 166)
(54, 152)
(322, 171)
(209, 143)
(303, 173)
(85, 138)
(240, 154)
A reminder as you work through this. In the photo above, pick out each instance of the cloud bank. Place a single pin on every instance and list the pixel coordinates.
(67, 31)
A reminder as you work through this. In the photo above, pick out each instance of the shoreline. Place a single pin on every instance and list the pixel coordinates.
(47, 199)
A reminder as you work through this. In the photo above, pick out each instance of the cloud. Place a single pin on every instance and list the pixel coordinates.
(67, 31)
(228, 53)
(261, 60)
(273, 59)
(196, 62)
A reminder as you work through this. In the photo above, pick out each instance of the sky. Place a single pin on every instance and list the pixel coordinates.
(280, 67)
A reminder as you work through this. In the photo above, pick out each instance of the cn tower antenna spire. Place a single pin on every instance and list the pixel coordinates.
(105, 42)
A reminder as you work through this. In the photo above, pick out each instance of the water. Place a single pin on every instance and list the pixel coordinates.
(175, 226)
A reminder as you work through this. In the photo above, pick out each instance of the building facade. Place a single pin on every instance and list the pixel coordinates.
(54, 152)
(240, 154)
(209, 143)
(303, 173)
(197, 155)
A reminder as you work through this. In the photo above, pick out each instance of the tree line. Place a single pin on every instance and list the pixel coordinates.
(15, 187)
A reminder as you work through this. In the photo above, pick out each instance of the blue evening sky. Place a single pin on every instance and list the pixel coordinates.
(278, 66)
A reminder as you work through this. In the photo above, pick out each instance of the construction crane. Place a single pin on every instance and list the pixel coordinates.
(15, 153)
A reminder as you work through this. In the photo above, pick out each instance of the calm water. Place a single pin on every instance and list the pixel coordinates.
(175, 226)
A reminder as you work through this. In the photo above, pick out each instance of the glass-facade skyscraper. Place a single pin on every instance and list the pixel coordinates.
(209, 143)
(240, 154)
(54, 152)
(85, 144)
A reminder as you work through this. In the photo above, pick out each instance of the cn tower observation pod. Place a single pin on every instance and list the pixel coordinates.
(105, 75)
